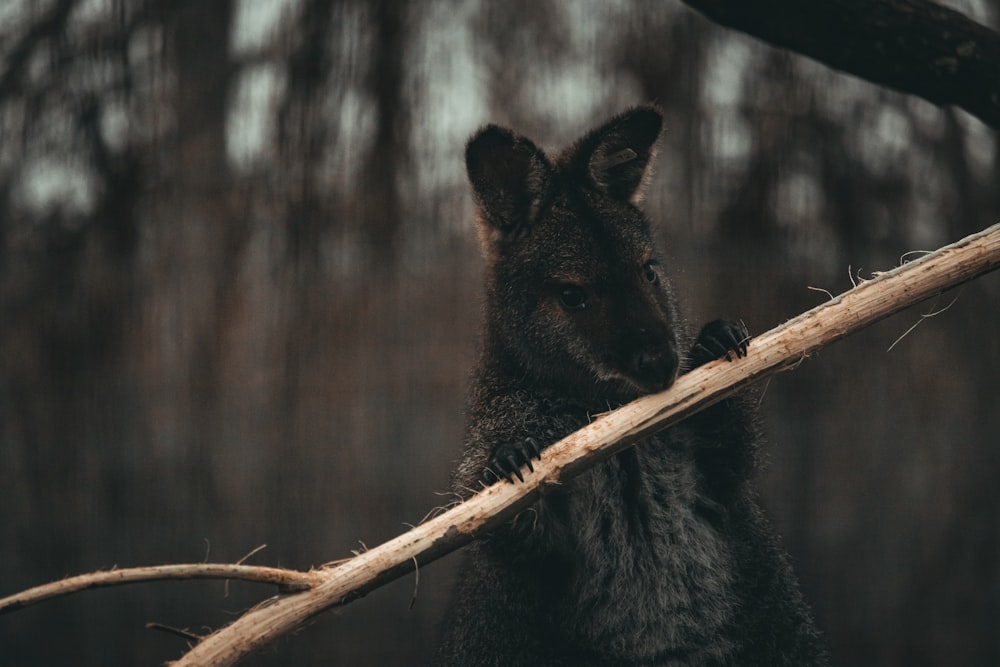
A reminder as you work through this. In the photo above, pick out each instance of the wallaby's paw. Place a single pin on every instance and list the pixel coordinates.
(508, 459)
(720, 339)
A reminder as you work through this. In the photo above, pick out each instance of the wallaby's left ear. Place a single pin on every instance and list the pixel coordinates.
(615, 157)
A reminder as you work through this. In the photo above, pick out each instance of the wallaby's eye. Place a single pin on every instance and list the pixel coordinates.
(649, 272)
(572, 297)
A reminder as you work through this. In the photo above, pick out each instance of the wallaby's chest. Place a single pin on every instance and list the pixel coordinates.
(646, 573)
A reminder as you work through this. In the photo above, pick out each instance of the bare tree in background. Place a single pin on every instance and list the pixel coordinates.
(238, 280)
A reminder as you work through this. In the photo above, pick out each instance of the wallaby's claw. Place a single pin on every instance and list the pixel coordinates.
(720, 339)
(508, 459)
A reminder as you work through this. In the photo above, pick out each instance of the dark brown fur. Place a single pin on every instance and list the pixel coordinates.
(658, 556)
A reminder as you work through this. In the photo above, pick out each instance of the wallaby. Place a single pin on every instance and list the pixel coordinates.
(659, 555)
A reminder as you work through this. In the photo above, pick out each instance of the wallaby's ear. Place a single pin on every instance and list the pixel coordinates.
(510, 177)
(615, 157)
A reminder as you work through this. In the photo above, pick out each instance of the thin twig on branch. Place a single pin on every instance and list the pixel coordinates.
(914, 46)
(779, 349)
(287, 580)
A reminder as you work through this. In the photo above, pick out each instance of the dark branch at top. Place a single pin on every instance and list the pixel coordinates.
(914, 46)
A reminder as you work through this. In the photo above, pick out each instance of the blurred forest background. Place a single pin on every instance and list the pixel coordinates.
(239, 301)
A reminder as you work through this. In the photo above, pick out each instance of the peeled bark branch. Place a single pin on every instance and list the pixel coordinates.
(776, 350)
(914, 46)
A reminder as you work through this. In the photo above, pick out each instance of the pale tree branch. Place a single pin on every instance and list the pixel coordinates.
(779, 349)
(287, 580)
(776, 350)
(914, 46)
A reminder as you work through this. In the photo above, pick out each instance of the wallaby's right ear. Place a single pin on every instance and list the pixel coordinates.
(615, 157)
(510, 177)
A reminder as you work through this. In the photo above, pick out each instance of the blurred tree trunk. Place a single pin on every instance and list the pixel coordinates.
(200, 45)
(200, 233)
(380, 202)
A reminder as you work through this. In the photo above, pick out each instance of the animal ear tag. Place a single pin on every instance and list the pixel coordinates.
(615, 157)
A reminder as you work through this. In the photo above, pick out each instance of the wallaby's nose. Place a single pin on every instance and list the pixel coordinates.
(655, 369)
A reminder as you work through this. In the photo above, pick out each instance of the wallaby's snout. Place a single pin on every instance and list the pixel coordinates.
(654, 368)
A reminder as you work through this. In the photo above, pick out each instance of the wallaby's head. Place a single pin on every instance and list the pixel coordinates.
(577, 299)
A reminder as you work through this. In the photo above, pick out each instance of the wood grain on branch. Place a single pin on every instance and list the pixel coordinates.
(914, 46)
(780, 348)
